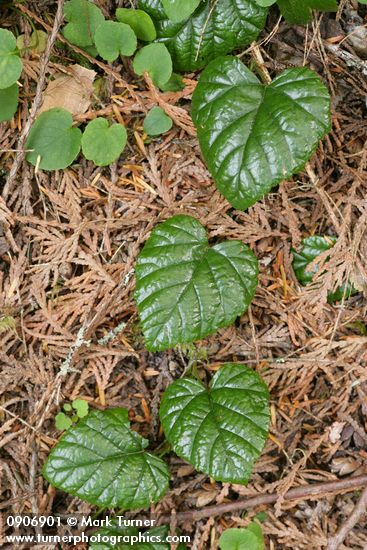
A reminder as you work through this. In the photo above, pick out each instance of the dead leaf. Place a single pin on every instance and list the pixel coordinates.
(72, 91)
(205, 497)
(335, 431)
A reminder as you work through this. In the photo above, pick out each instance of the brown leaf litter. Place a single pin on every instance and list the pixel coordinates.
(68, 245)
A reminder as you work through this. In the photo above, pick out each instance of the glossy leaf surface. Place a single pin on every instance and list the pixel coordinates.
(186, 290)
(221, 430)
(214, 29)
(128, 539)
(297, 12)
(254, 136)
(101, 460)
(54, 140)
(312, 247)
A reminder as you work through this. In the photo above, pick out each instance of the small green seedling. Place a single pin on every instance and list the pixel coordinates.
(157, 122)
(64, 421)
(10, 64)
(156, 61)
(103, 144)
(251, 538)
(53, 143)
(140, 22)
(113, 39)
(311, 247)
(83, 18)
(81, 407)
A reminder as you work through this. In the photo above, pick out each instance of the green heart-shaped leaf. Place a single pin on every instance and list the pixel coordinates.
(8, 102)
(128, 538)
(157, 122)
(103, 144)
(101, 460)
(10, 64)
(186, 290)
(220, 430)
(311, 247)
(83, 19)
(214, 29)
(156, 61)
(254, 136)
(250, 538)
(140, 22)
(53, 140)
(112, 39)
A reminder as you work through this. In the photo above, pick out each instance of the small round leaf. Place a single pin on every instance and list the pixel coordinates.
(154, 59)
(81, 407)
(220, 430)
(103, 144)
(83, 19)
(250, 538)
(112, 39)
(157, 122)
(8, 102)
(139, 21)
(62, 422)
(102, 461)
(10, 64)
(54, 140)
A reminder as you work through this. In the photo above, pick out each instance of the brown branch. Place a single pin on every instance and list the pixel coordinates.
(316, 490)
(358, 511)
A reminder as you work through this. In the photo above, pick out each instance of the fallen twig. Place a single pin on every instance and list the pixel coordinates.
(358, 511)
(317, 490)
